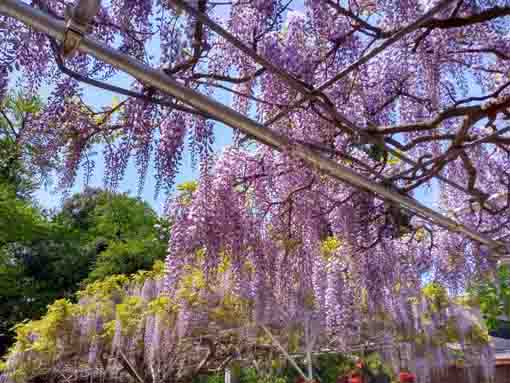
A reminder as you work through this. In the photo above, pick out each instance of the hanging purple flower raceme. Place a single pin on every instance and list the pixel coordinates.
(3, 81)
(334, 292)
(267, 213)
(201, 139)
(8, 53)
(140, 117)
(61, 132)
(169, 148)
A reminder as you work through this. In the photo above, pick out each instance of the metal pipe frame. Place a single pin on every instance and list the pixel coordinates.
(309, 94)
(49, 25)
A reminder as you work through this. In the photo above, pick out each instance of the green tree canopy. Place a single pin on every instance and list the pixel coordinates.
(493, 296)
(96, 234)
(39, 261)
(122, 233)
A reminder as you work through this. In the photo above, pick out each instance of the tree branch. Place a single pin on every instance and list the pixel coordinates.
(119, 90)
(458, 22)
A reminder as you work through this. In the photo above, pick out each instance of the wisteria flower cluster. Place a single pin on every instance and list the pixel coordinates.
(411, 94)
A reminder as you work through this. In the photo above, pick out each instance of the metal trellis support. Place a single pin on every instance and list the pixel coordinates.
(55, 28)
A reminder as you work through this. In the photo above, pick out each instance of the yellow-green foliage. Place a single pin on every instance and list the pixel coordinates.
(99, 297)
(43, 337)
(309, 299)
(163, 307)
(189, 186)
(467, 300)
(46, 340)
(186, 190)
(157, 272)
(449, 333)
(225, 264)
(329, 246)
(436, 295)
(55, 322)
(51, 336)
(232, 311)
(130, 313)
(200, 254)
(295, 335)
(191, 285)
(478, 335)
(109, 330)
(375, 365)
(160, 305)
(106, 288)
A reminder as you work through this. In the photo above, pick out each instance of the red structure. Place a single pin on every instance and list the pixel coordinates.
(407, 377)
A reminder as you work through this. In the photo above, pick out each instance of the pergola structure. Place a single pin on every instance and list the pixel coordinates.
(73, 35)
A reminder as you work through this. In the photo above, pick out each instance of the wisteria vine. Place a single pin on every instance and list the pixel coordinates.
(426, 114)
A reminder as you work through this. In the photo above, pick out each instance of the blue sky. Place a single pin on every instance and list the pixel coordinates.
(50, 198)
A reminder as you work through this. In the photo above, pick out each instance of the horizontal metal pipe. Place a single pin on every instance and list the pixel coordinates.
(42, 22)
